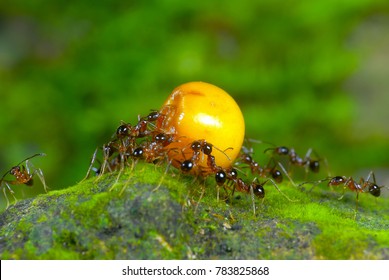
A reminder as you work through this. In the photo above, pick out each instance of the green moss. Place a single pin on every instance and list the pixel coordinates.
(133, 219)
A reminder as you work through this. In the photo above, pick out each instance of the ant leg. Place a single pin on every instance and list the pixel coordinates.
(11, 192)
(224, 152)
(124, 185)
(163, 176)
(6, 197)
(327, 167)
(28, 166)
(371, 174)
(252, 197)
(287, 174)
(105, 164)
(39, 172)
(201, 197)
(315, 183)
(344, 191)
(90, 165)
(116, 181)
(217, 192)
(307, 159)
(356, 206)
(122, 161)
(356, 203)
(284, 195)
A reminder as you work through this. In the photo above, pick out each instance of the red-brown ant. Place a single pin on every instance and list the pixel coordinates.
(363, 186)
(23, 174)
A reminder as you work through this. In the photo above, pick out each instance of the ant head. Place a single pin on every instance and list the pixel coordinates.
(196, 146)
(277, 175)
(282, 150)
(258, 189)
(232, 173)
(375, 190)
(314, 166)
(247, 158)
(14, 170)
(338, 180)
(187, 165)
(109, 149)
(153, 116)
(220, 177)
(138, 152)
(207, 148)
(122, 131)
(160, 137)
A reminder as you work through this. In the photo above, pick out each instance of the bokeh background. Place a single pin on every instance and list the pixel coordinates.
(307, 74)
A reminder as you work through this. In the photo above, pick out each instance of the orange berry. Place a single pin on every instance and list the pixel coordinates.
(198, 110)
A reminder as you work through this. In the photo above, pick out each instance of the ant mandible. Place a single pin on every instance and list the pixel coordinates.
(23, 173)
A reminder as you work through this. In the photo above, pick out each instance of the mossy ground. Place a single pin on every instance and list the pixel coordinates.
(131, 220)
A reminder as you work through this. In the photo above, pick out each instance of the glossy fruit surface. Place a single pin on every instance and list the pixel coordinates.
(202, 111)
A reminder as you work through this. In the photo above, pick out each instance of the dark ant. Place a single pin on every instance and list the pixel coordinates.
(192, 156)
(231, 175)
(115, 155)
(23, 174)
(122, 147)
(295, 159)
(141, 129)
(257, 169)
(153, 151)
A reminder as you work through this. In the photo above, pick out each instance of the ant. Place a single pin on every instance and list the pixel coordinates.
(123, 146)
(362, 186)
(155, 150)
(296, 160)
(23, 173)
(222, 176)
(198, 150)
(142, 128)
(231, 175)
(255, 168)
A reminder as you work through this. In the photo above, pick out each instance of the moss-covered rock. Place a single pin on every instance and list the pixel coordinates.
(131, 219)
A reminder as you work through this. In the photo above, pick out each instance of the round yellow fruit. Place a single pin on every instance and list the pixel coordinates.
(201, 111)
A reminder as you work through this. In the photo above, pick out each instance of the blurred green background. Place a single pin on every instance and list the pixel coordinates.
(307, 74)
